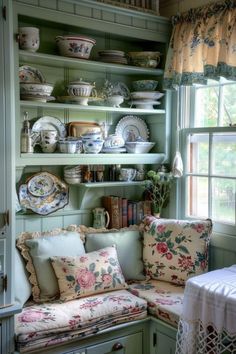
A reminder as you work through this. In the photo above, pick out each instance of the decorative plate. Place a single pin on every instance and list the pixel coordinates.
(111, 52)
(50, 123)
(113, 150)
(132, 128)
(37, 98)
(44, 205)
(77, 99)
(29, 74)
(41, 185)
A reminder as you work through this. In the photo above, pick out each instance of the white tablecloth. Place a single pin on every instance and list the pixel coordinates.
(208, 322)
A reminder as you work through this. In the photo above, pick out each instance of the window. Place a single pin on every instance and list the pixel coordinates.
(209, 150)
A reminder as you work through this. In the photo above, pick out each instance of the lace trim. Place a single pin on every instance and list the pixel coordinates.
(196, 338)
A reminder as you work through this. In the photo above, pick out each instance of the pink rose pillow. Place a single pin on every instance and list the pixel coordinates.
(175, 250)
(91, 273)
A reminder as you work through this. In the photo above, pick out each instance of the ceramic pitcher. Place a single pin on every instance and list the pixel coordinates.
(101, 218)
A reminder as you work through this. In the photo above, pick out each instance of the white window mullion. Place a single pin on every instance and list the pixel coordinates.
(209, 176)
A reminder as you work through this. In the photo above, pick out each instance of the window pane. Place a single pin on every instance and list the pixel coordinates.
(206, 107)
(224, 155)
(197, 197)
(198, 151)
(223, 201)
(229, 105)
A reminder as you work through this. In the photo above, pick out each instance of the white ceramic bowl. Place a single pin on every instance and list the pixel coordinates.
(92, 136)
(145, 85)
(75, 46)
(114, 141)
(149, 95)
(37, 89)
(139, 147)
(115, 100)
(92, 146)
(73, 180)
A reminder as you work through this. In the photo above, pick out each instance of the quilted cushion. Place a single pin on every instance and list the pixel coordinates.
(129, 250)
(165, 300)
(92, 273)
(175, 250)
(37, 247)
(43, 325)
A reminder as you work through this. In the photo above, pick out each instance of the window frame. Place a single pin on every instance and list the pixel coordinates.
(187, 109)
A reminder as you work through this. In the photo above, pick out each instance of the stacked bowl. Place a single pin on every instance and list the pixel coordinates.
(145, 96)
(92, 143)
(73, 174)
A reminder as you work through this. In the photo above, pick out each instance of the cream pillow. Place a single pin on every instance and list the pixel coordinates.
(36, 248)
(92, 273)
(175, 250)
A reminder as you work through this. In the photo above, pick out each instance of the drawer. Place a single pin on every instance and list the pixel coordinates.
(131, 344)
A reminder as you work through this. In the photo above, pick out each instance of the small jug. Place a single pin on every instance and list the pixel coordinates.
(101, 218)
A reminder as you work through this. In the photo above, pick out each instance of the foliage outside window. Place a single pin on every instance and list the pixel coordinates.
(209, 141)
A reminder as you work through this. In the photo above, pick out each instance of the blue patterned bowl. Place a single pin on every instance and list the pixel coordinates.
(145, 85)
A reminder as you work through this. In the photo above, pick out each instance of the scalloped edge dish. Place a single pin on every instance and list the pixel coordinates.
(131, 128)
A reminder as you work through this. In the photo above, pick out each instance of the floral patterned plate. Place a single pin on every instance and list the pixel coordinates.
(44, 205)
(132, 128)
(29, 74)
(50, 123)
(41, 185)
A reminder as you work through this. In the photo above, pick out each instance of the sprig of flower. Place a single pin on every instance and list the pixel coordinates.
(158, 186)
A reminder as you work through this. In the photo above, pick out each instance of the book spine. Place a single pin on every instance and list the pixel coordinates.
(134, 211)
(115, 211)
(140, 212)
(130, 213)
(147, 207)
(124, 212)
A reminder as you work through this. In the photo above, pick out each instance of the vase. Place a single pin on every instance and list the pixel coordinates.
(156, 211)
(157, 215)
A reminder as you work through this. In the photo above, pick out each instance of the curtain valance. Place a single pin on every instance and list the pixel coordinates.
(202, 45)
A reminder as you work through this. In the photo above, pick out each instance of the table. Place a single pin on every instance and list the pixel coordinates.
(208, 322)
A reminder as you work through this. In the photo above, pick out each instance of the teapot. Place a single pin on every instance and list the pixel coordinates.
(101, 218)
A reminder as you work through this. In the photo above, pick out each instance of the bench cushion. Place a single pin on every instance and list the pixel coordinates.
(175, 250)
(42, 325)
(165, 300)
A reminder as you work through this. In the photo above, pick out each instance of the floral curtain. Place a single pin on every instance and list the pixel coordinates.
(202, 45)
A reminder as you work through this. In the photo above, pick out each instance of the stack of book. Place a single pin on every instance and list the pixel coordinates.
(124, 212)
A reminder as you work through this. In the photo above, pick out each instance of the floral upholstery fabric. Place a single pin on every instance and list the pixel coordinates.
(42, 325)
(165, 300)
(175, 250)
(91, 273)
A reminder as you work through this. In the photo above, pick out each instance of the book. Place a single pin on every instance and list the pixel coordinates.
(115, 212)
(134, 213)
(124, 212)
(130, 213)
(147, 207)
(140, 212)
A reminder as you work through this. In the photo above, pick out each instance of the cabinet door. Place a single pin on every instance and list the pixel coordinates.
(165, 344)
(131, 344)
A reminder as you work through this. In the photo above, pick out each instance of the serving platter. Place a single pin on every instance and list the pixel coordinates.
(50, 123)
(56, 195)
(37, 98)
(132, 128)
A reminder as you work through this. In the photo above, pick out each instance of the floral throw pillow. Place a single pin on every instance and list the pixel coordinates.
(91, 273)
(175, 250)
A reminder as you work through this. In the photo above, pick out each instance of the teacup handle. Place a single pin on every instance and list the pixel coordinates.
(133, 175)
(108, 218)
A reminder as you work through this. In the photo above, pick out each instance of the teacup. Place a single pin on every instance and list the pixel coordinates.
(29, 38)
(127, 174)
(48, 140)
